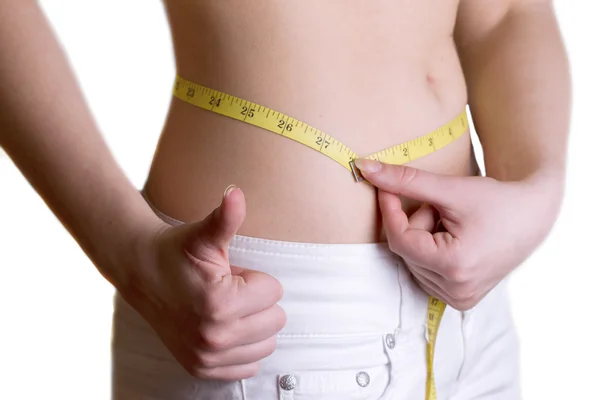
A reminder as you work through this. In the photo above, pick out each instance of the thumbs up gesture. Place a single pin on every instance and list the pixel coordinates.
(217, 320)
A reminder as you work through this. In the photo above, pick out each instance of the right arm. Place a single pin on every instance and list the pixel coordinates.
(213, 320)
(49, 132)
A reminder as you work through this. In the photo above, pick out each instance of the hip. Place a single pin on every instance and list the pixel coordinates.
(356, 329)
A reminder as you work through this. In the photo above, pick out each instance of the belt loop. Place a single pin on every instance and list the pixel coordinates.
(406, 316)
(243, 389)
(414, 301)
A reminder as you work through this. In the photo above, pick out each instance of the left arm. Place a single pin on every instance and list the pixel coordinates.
(519, 94)
(518, 82)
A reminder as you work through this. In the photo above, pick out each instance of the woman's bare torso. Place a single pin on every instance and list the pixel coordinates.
(372, 74)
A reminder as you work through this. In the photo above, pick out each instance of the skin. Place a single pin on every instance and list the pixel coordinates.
(378, 89)
(505, 56)
(523, 133)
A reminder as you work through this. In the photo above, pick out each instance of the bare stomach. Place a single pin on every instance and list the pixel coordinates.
(372, 79)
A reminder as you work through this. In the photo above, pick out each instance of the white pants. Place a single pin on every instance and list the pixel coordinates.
(355, 331)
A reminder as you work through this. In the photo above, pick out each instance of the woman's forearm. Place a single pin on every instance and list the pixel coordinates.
(48, 131)
(519, 88)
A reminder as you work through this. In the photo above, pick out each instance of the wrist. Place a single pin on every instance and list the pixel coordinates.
(118, 256)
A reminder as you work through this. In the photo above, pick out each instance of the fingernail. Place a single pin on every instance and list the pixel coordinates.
(368, 165)
(228, 190)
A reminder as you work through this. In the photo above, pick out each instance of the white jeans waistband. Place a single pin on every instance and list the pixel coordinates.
(339, 290)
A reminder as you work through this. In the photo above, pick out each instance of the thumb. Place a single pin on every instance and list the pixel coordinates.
(436, 189)
(217, 229)
(227, 218)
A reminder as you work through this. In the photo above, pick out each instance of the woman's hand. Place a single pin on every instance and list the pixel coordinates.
(488, 227)
(217, 320)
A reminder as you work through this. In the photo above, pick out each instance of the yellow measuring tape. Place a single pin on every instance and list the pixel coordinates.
(274, 121)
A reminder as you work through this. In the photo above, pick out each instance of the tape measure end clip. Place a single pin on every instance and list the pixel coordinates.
(356, 172)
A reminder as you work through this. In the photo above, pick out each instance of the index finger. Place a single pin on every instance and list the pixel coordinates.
(255, 290)
(416, 245)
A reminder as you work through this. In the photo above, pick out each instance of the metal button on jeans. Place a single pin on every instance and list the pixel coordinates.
(288, 382)
(390, 341)
(363, 379)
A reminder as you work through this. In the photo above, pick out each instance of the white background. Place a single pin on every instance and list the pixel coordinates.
(55, 308)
